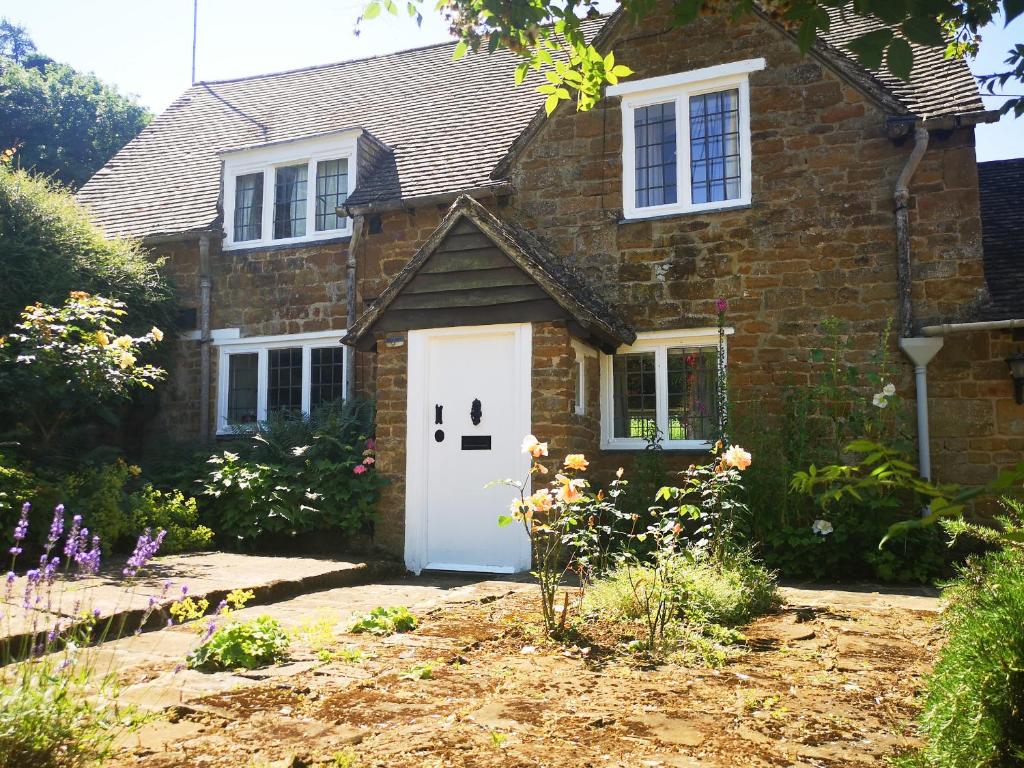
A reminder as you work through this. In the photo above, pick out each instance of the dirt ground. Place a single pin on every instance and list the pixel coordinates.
(811, 686)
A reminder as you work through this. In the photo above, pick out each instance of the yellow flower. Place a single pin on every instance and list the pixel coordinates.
(541, 501)
(79, 295)
(126, 360)
(156, 333)
(576, 461)
(534, 447)
(736, 457)
(123, 342)
(102, 339)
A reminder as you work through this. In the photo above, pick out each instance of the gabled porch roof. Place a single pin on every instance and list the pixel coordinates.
(476, 269)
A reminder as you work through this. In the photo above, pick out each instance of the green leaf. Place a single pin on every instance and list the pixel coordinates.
(372, 11)
(869, 47)
(923, 30)
(460, 50)
(550, 103)
(521, 71)
(900, 58)
(504, 521)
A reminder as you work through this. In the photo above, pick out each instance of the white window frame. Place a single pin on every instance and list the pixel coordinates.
(261, 345)
(679, 88)
(582, 353)
(266, 160)
(658, 342)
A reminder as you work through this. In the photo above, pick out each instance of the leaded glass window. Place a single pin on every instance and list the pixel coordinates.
(290, 201)
(284, 380)
(692, 373)
(715, 146)
(331, 191)
(248, 207)
(634, 382)
(243, 387)
(655, 147)
(327, 375)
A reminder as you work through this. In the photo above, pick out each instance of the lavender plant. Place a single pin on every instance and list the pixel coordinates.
(57, 707)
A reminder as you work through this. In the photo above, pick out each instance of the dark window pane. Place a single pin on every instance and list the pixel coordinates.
(331, 191)
(692, 394)
(284, 380)
(243, 376)
(655, 172)
(715, 146)
(290, 201)
(327, 380)
(634, 395)
(248, 207)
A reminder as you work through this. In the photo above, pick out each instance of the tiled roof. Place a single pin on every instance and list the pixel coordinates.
(1002, 226)
(447, 123)
(938, 86)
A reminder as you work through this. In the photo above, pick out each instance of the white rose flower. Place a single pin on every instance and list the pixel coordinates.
(889, 390)
(822, 527)
(879, 401)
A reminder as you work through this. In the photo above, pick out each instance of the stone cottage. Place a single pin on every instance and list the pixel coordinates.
(415, 229)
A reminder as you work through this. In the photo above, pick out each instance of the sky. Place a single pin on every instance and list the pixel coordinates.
(144, 47)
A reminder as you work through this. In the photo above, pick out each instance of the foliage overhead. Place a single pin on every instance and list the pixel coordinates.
(64, 123)
(547, 34)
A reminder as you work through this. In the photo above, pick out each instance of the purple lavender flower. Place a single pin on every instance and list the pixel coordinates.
(56, 527)
(146, 547)
(95, 613)
(9, 585)
(722, 306)
(50, 571)
(88, 563)
(71, 545)
(32, 579)
(21, 529)
(211, 627)
(184, 589)
(221, 606)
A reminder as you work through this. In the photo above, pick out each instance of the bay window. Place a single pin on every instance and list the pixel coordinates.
(663, 387)
(263, 375)
(686, 140)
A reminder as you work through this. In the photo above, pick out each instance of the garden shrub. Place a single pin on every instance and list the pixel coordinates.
(246, 645)
(815, 424)
(385, 621)
(173, 512)
(973, 714)
(297, 475)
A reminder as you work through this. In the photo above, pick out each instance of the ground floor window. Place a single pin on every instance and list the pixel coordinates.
(262, 375)
(663, 386)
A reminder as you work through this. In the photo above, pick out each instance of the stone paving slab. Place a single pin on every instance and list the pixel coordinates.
(871, 597)
(206, 575)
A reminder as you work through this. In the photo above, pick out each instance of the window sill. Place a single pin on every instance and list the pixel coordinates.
(680, 446)
(661, 215)
(286, 245)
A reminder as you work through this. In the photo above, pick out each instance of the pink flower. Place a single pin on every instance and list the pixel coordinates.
(369, 460)
(371, 444)
(359, 469)
(721, 305)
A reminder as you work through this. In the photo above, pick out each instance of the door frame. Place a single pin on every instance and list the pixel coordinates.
(417, 428)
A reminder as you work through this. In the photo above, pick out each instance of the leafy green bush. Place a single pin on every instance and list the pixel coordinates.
(385, 621)
(248, 645)
(173, 512)
(973, 714)
(297, 475)
(728, 592)
(100, 493)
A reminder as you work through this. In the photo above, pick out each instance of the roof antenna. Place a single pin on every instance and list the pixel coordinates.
(195, 20)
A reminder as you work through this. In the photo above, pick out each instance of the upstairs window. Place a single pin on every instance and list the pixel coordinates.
(288, 192)
(686, 140)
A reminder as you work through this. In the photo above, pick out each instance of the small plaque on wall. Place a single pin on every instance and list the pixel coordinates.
(394, 341)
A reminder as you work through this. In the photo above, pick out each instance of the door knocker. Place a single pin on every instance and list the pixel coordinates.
(437, 414)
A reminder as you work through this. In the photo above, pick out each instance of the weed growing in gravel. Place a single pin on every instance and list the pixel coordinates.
(422, 671)
(385, 621)
(248, 645)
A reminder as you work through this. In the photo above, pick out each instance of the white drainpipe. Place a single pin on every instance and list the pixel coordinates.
(921, 351)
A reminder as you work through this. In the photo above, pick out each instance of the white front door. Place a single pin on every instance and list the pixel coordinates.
(468, 409)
